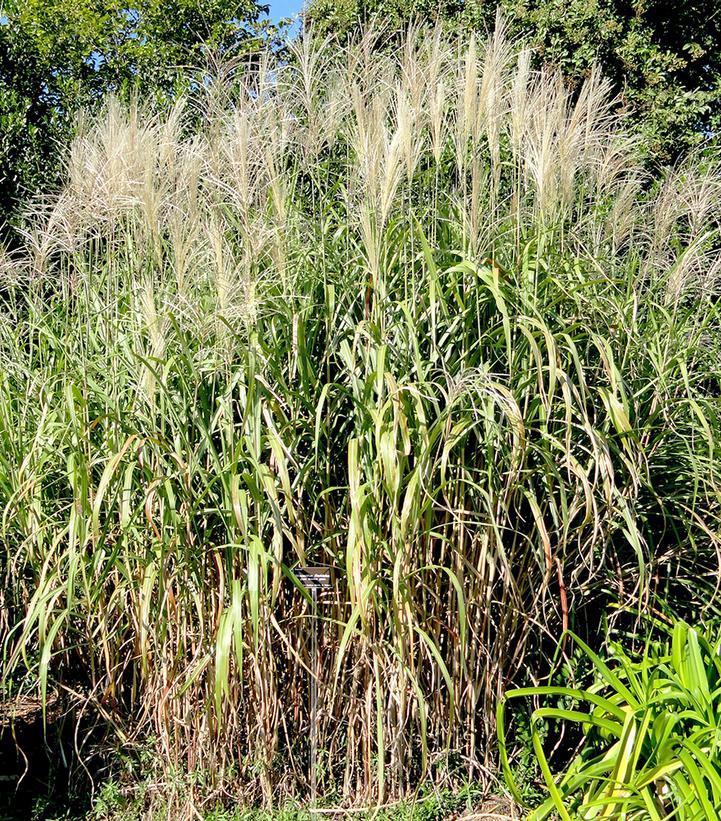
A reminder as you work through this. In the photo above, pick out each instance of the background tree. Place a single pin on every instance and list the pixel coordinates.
(57, 56)
(663, 57)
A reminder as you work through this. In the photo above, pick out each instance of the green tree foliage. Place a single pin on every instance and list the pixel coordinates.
(57, 56)
(664, 58)
(342, 18)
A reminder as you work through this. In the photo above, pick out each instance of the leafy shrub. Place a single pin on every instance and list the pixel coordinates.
(652, 733)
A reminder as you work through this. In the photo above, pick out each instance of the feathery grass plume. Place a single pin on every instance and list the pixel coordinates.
(437, 82)
(683, 229)
(498, 59)
(310, 75)
(414, 316)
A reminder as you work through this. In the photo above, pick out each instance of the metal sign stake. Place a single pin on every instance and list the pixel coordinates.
(314, 705)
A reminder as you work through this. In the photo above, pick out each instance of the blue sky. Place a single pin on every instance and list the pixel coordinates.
(283, 8)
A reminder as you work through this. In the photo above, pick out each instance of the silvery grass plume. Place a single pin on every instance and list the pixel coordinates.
(416, 315)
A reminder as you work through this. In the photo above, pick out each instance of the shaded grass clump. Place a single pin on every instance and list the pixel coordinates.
(419, 317)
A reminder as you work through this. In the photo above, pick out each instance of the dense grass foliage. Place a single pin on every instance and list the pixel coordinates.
(419, 317)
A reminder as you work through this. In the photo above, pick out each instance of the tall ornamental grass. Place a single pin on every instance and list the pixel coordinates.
(419, 316)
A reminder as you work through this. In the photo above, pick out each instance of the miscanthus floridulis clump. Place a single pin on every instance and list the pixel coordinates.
(419, 316)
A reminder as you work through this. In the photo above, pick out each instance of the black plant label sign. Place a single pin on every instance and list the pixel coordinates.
(314, 578)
